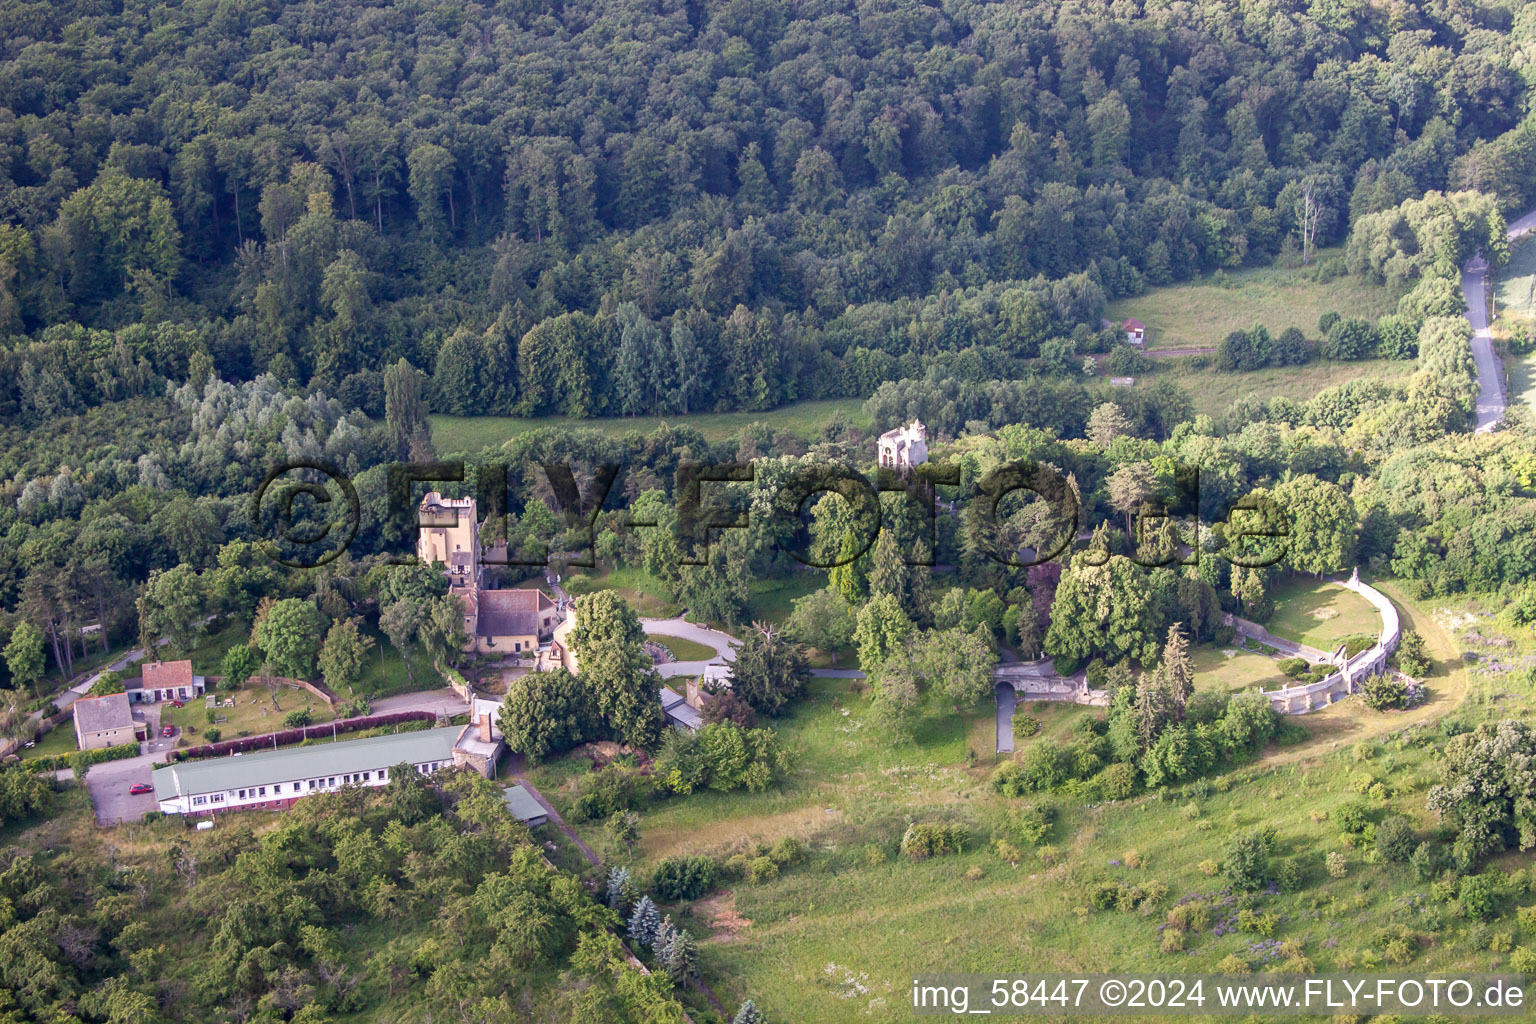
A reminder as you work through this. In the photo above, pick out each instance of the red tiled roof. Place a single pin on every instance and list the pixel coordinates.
(1134, 325)
(164, 674)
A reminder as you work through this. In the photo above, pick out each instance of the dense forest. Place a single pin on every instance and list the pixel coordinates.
(615, 208)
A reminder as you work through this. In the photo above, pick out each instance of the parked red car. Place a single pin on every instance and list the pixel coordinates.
(177, 704)
(141, 787)
(169, 730)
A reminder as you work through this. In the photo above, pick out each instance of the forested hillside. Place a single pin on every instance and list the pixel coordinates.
(625, 207)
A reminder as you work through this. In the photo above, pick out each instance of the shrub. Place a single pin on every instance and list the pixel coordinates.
(1290, 876)
(1007, 851)
(1104, 895)
(1245, 859)
(1118, 781)
(1294, 667)
(1526, 918)
(298, 719)
(1032, 824)
(1386, 692)
(1395, 839)
(1523, 960)
(1354, 818)
(611, 788)
(1412, 656)
(1233, 964)
(80, 761)
(1478, 898)
(212, 734)
(922, 841)
(1208, 868)
(1337, 866)
(761, 869)
(1132, 858)
(1173, 940)
(786, 851)
(684, 878)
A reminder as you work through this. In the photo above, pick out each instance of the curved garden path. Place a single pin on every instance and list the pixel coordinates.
(723, 644)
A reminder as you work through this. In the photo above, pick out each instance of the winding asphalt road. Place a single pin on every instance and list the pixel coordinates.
(1474, 290)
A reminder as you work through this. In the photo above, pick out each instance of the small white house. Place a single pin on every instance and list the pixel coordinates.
(1135, 332)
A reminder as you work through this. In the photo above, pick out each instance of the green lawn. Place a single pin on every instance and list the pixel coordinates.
(1231, 668)
(257, 710)
(650, 596)
(58, 740)
(1212, 390)
(682, 649)
(1319, 614)
(1201, 313)
(472, 433)
(772, 600)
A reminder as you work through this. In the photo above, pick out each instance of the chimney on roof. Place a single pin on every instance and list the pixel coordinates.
(485, 727)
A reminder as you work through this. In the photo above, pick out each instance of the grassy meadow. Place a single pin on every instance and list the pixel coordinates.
(1200, 313)
(1212, 391)
(472, 433)
(838, 935)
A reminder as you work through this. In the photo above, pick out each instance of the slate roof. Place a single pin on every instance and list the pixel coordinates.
(511, 612)
(98, 714)
(679, 711)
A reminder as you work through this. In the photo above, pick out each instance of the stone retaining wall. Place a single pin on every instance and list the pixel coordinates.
(1298, 700)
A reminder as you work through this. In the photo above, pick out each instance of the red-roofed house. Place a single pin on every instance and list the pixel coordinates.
(164, 680)
(1135, 331)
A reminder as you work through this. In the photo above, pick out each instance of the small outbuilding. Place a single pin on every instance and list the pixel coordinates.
(522, 806)
(1135, 332)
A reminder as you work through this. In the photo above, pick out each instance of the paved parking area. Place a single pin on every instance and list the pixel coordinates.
(109, 784)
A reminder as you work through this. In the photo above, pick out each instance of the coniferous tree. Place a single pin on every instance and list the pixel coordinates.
(1178, 667)
(644, 921)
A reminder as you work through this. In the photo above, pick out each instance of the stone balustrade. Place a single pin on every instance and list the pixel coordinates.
(1298, 700)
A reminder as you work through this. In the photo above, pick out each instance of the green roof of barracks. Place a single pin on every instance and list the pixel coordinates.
(290, 764)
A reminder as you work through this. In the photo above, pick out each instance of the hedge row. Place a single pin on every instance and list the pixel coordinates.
(83, 759)
(288, 737)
